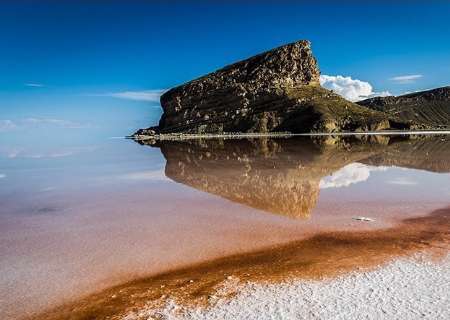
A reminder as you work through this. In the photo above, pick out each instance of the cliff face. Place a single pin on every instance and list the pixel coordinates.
(275, 91)
(429, 108)
(235, 98)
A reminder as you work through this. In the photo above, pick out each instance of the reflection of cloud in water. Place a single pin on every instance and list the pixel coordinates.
(47, 189)
(284, 176)
(149, 175)
(12, 153)
(402, 182)
(348, 175)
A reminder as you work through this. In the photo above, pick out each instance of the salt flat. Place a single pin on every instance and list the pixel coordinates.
(408, 288)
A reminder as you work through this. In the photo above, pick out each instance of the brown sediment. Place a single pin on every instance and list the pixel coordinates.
(320, 256)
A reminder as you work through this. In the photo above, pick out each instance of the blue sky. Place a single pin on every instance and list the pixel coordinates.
(100, 64)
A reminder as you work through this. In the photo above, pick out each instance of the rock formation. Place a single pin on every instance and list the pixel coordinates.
(429, 108)
(275, 91)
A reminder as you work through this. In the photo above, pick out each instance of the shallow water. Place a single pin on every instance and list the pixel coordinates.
(78, 220)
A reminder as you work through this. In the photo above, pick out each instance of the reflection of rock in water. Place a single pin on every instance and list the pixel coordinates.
(277, 176)
(282, 176)
(424, 153)
(430, 153)
(258, 175)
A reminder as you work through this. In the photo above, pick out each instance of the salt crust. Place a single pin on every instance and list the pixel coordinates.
(408, 288)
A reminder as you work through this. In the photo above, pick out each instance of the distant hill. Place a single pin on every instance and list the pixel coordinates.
(429, 108)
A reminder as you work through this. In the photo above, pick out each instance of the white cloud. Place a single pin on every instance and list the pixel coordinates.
(384, 93)
(33, 84)
(2, 175)
(348, 175)
(351, 89)
(146, 95)
(402, 182)
(415, 91)
(55, 122)
(406, 78)
(8, 125)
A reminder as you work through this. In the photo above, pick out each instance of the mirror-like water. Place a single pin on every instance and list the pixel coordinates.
(79, 220)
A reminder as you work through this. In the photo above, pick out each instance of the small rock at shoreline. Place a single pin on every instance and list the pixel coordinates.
(366, 219)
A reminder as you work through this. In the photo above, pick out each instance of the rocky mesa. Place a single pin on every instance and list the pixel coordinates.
(275, 91)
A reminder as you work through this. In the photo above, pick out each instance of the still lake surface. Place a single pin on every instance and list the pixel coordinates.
(77, 220)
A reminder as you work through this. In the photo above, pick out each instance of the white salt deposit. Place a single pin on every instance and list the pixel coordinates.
(363, 219)
(414, 288)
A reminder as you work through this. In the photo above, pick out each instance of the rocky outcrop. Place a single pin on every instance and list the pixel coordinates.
(430, 109)
(275, 91)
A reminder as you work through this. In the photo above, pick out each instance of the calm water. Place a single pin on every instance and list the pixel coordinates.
(75, 220)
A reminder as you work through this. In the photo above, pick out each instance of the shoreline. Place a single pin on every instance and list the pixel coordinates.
(189, 136)
(307, 260)
(417, 285)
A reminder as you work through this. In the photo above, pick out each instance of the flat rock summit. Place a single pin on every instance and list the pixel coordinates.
(277, 91)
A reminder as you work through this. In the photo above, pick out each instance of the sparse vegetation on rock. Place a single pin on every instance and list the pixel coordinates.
(429, 108)
(275, 91)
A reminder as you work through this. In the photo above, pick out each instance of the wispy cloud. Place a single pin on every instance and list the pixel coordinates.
(350, 89)
(348, 175)
(146, 95)
(2, 175)
(55, 122)
(16, 152)
(34, 84)
(8, 125)
(410, 78)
